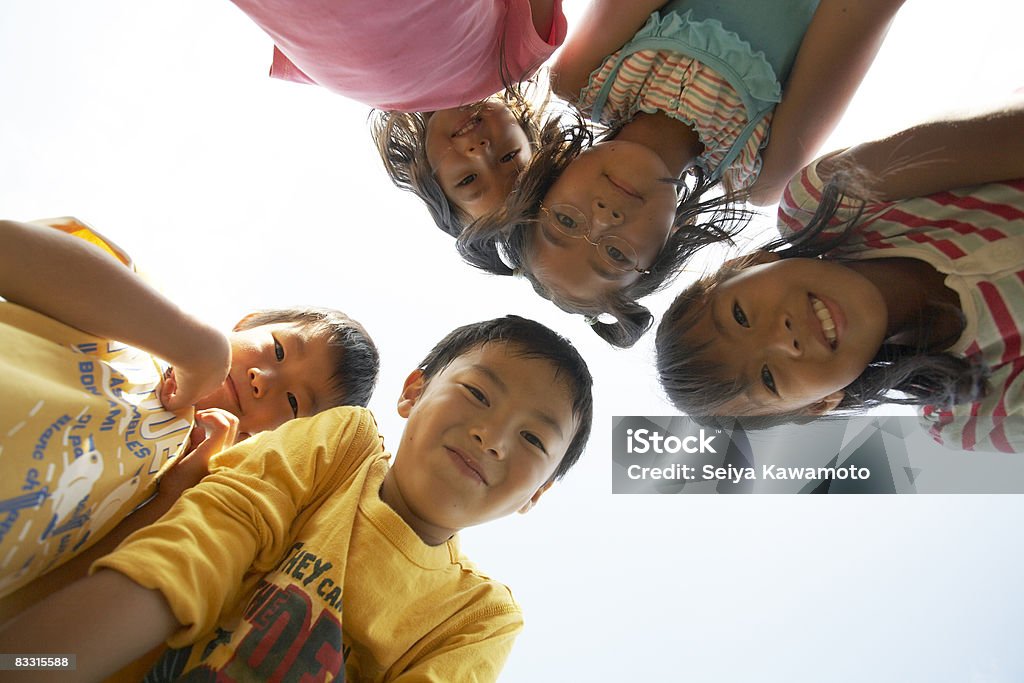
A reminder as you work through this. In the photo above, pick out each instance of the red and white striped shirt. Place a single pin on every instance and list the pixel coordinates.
(974, 235)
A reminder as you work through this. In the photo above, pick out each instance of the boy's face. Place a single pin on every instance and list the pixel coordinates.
(483, 439)
(278, 372)
(796, 332)
(476, 153)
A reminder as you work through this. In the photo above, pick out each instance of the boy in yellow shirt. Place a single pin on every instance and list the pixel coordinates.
(83, 433)
(304, 553)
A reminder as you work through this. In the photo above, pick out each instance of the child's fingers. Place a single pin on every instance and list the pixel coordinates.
(168, 387)
(188, 386)
(196, 436)
(220, 427)
(218, 430)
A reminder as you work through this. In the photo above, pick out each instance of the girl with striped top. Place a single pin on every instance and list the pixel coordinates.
(916, 287)
(691, 87)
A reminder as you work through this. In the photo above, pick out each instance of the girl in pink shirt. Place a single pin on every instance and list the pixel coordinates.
(429, 67)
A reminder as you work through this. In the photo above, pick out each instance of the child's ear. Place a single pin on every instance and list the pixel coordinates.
(827, 404)
(528, 505)
(411, 392)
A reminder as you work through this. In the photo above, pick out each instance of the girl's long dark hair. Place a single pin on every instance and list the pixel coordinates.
(923, 375)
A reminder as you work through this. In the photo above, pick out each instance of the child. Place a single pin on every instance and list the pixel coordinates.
(302, 551)
(83, 434)
(431, 70)
(918, 291)
(435, 55)
(461, 162)
(693, 90)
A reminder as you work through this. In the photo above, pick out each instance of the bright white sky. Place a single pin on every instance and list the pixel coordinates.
(156, 123)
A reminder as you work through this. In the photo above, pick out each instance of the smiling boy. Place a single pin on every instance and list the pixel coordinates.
(306, 529)
(84, 432)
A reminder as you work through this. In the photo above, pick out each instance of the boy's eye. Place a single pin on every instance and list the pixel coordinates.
(477, 394)
(739, 316)
(294, 403)
(510, 156)
(278, 349)
(468, 180)
(534, 440)
(768, 380)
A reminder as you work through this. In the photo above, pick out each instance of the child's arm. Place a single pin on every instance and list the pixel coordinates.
(106, 620)
(940, 155)
(238, 519)
(606, 26)
(76, 283)
(477, 651)
(219, 429)
(839, 46)
(196, 555)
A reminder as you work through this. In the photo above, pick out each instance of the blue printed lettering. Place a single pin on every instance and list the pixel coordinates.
(31, 480)
(39, 452)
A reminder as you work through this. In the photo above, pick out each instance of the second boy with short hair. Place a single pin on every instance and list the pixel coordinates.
(304, 552)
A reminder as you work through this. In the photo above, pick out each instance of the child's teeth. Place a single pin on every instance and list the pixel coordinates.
(828, 326)
(466, 128)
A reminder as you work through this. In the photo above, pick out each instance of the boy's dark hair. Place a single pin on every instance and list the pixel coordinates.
(401, 141)
(530, 339)
(356, 359)
(508, 230)
(697, 387)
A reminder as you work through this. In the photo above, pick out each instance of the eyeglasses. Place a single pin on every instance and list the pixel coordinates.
(613, 251)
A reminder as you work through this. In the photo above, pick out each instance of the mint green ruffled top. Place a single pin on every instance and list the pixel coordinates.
(715, 65)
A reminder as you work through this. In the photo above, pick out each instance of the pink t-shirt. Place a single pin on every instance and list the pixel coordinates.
(422, 56)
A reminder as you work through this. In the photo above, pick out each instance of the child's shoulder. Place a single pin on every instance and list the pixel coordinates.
(82, 230)
(342, 425)
(342, 434)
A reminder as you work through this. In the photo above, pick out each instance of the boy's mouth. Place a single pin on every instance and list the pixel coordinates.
(828, 325)
(466, 464)
(230, 383)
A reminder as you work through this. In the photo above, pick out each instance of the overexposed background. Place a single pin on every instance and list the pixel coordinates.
(156, 123)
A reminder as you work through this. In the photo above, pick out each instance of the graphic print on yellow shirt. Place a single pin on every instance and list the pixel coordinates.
(82, 435)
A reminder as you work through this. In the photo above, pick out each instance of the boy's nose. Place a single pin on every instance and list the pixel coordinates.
(489, 439)
(259, 380)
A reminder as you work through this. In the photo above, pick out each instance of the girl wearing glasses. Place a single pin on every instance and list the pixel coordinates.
(694, 90)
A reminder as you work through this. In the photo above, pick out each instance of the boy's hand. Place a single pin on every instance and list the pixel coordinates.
(186, 383)
(215, 430)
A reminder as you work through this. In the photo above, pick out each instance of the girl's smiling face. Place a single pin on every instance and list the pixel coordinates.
(795, 333)
(618, 188)
(476, 153)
